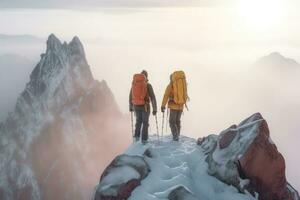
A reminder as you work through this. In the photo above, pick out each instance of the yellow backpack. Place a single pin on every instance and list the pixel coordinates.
(179, 88)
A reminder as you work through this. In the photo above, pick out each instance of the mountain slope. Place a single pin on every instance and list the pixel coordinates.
(241, 163)
(50, 144)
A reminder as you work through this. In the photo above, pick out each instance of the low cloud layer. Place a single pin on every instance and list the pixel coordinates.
(78, 4)
(14, 75)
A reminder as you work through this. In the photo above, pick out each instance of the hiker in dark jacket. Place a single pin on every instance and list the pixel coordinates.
(142, 112)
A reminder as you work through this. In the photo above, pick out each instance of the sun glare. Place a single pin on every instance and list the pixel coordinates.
(261, 14)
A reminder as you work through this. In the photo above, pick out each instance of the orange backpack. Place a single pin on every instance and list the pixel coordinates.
(139, 89)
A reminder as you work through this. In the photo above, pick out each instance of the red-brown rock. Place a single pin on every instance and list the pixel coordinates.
(246, 151)
(265, 167)
(121, 191)
(227, 137)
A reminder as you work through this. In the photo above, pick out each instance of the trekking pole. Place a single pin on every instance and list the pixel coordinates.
(162, 129)
(132, 127)
(167, 121)
(157, 127)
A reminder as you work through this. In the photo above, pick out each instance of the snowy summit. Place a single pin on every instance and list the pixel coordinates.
(242, 163)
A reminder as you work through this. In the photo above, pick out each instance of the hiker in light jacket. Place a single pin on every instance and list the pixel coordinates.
(176, 109)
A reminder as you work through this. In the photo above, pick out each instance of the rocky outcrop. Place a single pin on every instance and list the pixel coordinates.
(241, 162)
(264, 165)
(246, 152)
(121, 177)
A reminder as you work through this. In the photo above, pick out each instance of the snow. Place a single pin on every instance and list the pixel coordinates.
(124, 168)
(176, 164)
(117, 176)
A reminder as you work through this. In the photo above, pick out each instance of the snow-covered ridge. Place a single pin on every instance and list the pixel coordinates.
(174, 165)
(241, 163)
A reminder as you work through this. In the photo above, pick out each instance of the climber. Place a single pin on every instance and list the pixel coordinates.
(176, 96)
(140, 95)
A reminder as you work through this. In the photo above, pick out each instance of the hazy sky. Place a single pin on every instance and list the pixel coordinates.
(77, 4)
(266, 23)
(214, 41)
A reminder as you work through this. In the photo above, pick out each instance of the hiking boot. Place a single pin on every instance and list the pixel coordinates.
(136, 139)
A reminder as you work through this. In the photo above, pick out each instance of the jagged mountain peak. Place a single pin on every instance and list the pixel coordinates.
(61, 63)
(49, 145)
(75, 42)
(53, 43)
(61, 75)
(76, 48)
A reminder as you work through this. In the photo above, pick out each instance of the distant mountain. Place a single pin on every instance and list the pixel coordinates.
(65, 126)
(275, 59)
(14, 74)
(26, 45)
(5, 38)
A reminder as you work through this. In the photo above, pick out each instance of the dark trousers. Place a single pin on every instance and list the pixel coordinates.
(142, 124)
(175, 122)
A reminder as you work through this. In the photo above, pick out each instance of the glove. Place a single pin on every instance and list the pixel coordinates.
(130, 109)
(163, 109)
(154, 112)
